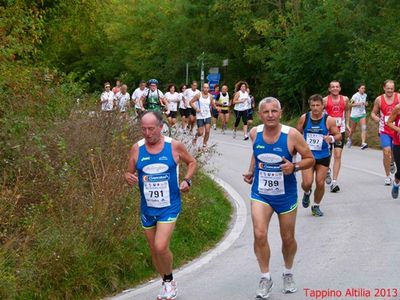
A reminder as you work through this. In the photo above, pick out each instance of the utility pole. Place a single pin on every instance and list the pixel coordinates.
(187, 73)
(202, 71)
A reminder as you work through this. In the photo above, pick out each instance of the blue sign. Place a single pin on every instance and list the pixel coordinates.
(214, 77)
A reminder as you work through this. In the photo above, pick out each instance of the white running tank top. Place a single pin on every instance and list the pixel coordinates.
(204, 105)
(242, 106)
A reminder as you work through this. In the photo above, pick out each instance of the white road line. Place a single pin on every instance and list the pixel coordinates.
(237, 228)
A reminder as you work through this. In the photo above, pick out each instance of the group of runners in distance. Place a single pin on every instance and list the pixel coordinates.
(202, 108)
(319, 135)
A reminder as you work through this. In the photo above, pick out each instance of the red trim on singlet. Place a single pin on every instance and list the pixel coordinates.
(385, 111)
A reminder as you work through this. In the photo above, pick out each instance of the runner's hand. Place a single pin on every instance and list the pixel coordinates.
(130, 178)
(287, 167)
(248, 177)
(184, 186)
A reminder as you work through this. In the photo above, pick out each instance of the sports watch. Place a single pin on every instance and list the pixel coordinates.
(188, 181)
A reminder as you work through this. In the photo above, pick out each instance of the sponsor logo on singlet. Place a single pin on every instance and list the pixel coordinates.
(269, 158)
(155, 168)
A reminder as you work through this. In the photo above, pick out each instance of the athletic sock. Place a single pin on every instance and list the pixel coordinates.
(266, 275)
(168, 278)
(308, 193)
(287, 271)
(396, 183)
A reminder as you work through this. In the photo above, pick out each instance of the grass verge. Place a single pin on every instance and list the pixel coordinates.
(70, 226)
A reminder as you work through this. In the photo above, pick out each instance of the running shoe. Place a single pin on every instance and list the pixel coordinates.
(316, 211)
(264, 288)
(328, 178)
(306, 199)
(246, 137)
(388, 181)
(169, 291)
(349, 143)
(364, 146)
(288, 284)
(334, 188)
(215, 126)
(395, 191)
(392, 168)
(234, 134)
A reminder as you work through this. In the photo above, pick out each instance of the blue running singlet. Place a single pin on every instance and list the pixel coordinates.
(270, 186)
(314, 132)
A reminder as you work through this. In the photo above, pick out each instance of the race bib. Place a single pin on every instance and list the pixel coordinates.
(338, 121)
(314, 141)
(271, 183)
(156, 190)
(205, 110)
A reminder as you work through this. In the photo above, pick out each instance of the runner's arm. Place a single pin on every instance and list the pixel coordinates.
(142, 102)
(194, 99)
(333, 130)
(249, 175)
(392, 118)
(375, 110)
(130, 175)
(300, 146)
(300, 123)
(236, 98)
(347, 113)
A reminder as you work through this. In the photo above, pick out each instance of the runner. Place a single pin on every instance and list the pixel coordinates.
(123, 100)
(214, 112)
(189, 94)
(117, 88)
(223, 103)
(202, 104)
(183, 110)
(240, 100)
(383, 105)
(137, 95)
(274, 189)
(107, 98)
(250, 110)
(172, 98)
(394, 123)
(319, 131)
(337, 106)
(155, 159)
(153, 99)
(358, 103)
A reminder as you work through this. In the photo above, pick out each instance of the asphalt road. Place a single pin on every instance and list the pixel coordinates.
(353, 249)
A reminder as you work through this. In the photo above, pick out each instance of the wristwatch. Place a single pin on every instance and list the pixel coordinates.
(296, 168)
(188, 181)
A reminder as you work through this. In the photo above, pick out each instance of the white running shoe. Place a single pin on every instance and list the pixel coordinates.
(288, 284)
(392, 168)
(328, 178)
(388, 181)
(264, 288)
(169, 291)
(349, 143)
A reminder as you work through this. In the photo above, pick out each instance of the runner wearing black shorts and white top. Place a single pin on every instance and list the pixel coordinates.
(183, 109)
(189, 94)
(173, 100)
(202, 104)
(240, 101)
